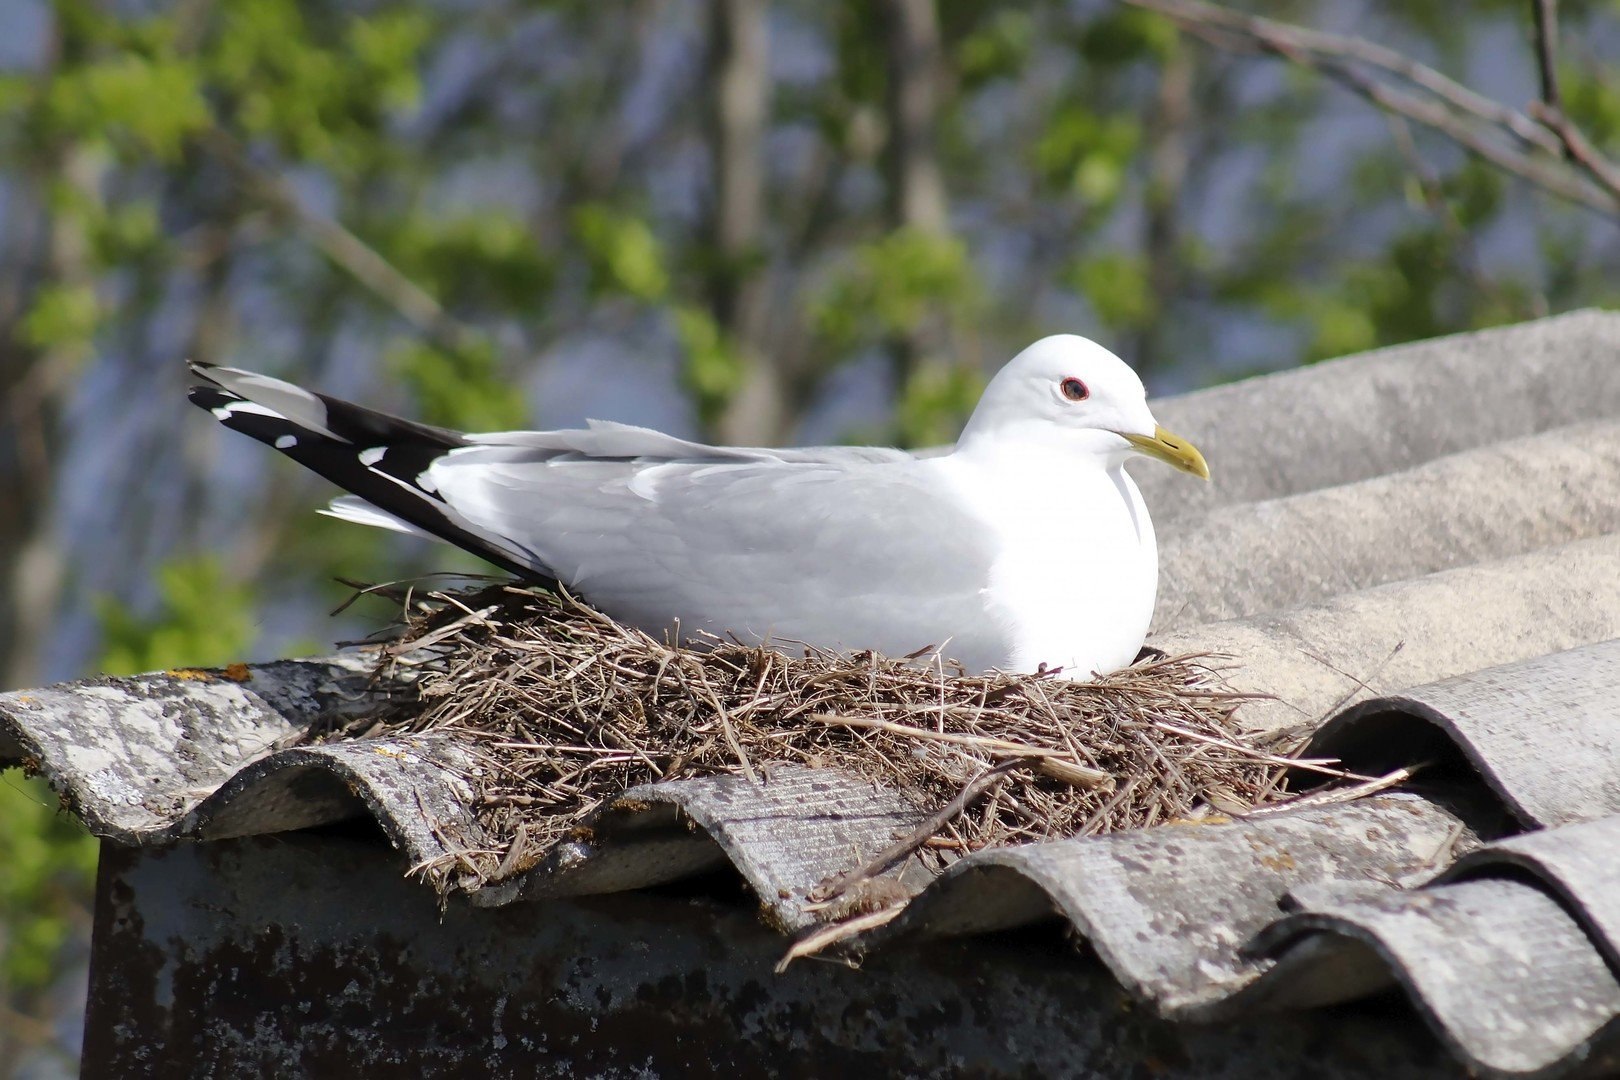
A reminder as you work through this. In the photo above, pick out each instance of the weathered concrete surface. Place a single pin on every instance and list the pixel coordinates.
(1543, 734)
(1314, 660)
(135, 754)
(1503, 974)
(786, 836)
(1168, 909)
(1577, 863)
(1380, 412)
(1506, 499)
(231, 959)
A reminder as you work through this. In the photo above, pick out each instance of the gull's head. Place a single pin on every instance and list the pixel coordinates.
(1070, 391)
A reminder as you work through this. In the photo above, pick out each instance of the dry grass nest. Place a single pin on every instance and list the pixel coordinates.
(565, 709)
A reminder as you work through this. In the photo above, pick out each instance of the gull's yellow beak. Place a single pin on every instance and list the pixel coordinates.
(1172, 449)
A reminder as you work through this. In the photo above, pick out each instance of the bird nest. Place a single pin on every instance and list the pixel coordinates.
(565, 709)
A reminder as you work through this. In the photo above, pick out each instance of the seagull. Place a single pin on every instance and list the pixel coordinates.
(1024, 546)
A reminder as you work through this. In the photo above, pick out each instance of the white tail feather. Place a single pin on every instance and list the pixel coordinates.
(276, 396)
(355, 509)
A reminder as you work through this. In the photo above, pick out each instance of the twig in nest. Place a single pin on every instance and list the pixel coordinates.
(821, 937)
(1331, 796)
(1051, 761)
(991, 777)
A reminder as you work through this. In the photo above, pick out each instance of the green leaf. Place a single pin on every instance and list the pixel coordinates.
(935, 402)
(477, 260)
(50, 863)
(386, 47)
(998, 49)
(890, 285)
(62, 317)
(1086, 152)
(157, 103)
(624, 255)
(463, 389)
(1116, 283)
(320, 86)
(1340, 327)
(1475, 192)
(1127, 35)
(202, 619)
(713, 371)
(125, 233)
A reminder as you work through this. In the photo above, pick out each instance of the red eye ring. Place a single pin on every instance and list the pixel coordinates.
(1074, 389)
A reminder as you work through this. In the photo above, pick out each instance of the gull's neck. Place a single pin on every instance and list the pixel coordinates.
(1043, 449)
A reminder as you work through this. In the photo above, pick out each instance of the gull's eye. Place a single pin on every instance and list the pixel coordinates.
(1074, 389)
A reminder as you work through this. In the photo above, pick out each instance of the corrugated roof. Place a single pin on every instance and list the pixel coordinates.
(1415, 551)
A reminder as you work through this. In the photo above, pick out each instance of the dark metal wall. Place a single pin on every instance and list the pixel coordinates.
(310, 955)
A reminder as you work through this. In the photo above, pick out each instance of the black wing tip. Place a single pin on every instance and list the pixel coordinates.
(212, 397)
(389, 485)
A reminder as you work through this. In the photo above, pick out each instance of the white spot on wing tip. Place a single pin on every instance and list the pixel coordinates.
(286, 442)
(253, 408)
(371, 455)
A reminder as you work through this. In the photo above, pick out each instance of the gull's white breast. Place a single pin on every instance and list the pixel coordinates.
(1077, 565)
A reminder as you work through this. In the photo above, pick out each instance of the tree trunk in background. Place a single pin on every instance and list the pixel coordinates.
(916, 81)
(32, 387)
(740, 94)
(1169, 131)
(916, 66)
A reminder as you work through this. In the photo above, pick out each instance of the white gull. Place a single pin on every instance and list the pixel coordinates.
(1024, 544)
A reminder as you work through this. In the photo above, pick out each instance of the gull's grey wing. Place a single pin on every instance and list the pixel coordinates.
(838, 553)
(606, 439)
(845, 547)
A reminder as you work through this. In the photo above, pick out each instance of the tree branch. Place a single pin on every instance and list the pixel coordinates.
(1545, 13)
(350, 253)
(1550, 109)
(1280, 36)
(1460, 114)
(1548, 175)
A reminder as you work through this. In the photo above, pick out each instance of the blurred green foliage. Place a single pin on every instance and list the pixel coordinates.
(50, 862)
(457, 388)
(1116, 283)
(202, 619)
(250, 180)
(891, 284)
(934, 403)
(713, 369)
(623, 254)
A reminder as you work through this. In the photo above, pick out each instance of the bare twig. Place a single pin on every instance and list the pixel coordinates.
(351, 254)
(1078, 775)
(889, 856)
(1361, 684)
(832, 933)
(1545, 16)
(1550, 109)
(1332, 796)
(1507, 138)
(1295, 42)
